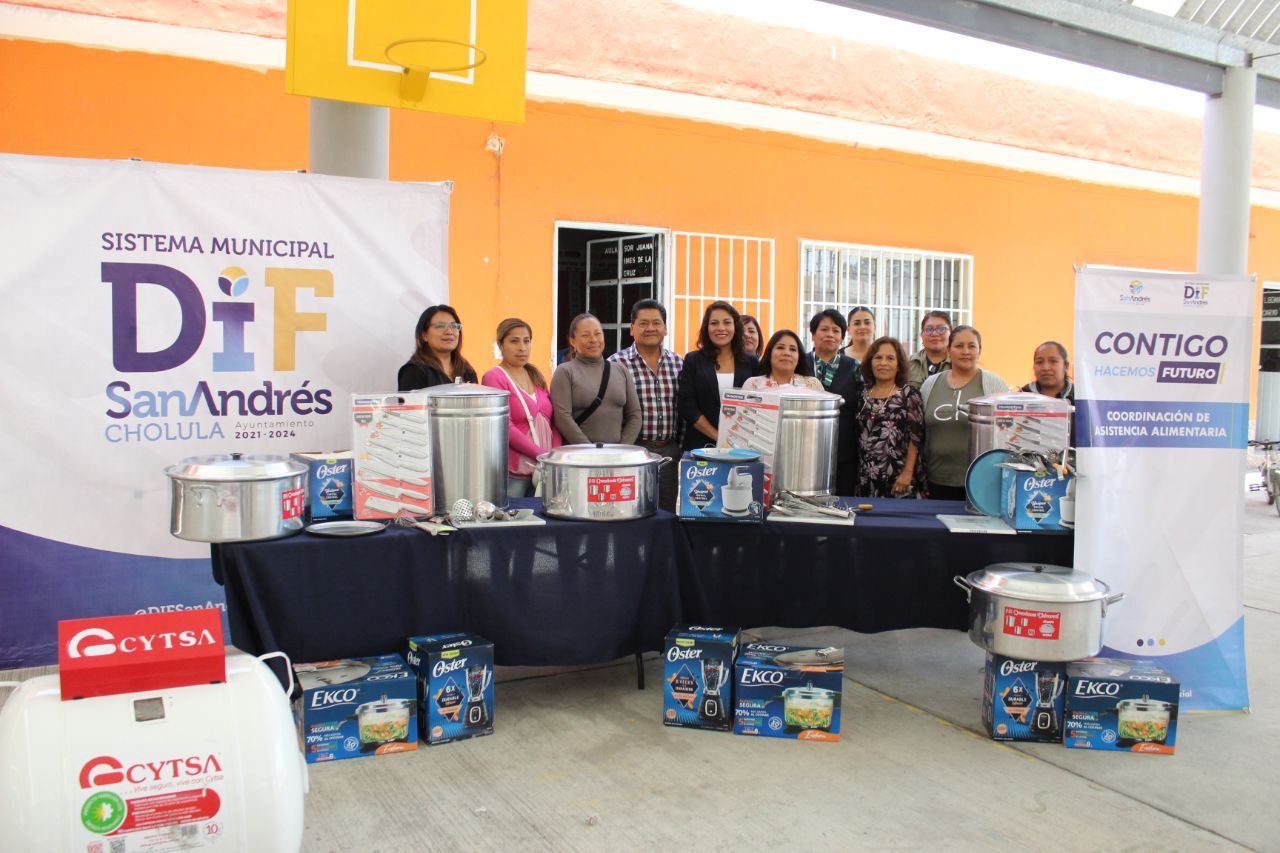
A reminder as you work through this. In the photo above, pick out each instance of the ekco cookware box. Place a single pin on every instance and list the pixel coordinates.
(455, 686)
(1121, 705)
(698, 677)
(356, 707)
(788, 691)
(1022, 699)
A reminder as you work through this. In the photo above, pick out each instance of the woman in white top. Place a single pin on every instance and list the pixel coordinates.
(719, 362)
(784, 364)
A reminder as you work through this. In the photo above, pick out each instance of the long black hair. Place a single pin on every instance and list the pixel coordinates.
(705, 346)
(423, 354)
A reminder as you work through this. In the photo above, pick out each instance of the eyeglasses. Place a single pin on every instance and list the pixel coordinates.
(936, 330)
(447, 327)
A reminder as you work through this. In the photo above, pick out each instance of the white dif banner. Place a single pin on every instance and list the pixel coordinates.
(1162, 396)
(155, 312)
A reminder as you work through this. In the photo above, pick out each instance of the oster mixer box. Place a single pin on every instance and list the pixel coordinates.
(455, 686)
(1121, 705)
(697, 689)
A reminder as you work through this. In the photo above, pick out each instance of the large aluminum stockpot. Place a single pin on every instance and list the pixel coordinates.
(468, 426)
(986, 413)
(600, 482)
(236, 498)
(1036, 612)
(809, 426)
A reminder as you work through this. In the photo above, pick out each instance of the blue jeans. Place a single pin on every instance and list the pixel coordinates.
(518, 487)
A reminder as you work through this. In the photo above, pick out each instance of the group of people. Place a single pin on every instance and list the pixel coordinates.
(903, 430)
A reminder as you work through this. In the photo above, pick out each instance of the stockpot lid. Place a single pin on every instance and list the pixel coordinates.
(464, 395)
(808, 692)
(235, 468)
(1039, 582)
(384, 705)
(793, 399)
(1144, 705)
(1022, 402)
(598, 455)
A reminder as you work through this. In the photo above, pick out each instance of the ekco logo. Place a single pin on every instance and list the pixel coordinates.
(233, 315)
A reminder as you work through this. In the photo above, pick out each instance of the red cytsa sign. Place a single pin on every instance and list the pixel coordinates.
(124, 654)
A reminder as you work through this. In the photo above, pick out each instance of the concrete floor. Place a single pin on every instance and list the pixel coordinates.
(581, 761)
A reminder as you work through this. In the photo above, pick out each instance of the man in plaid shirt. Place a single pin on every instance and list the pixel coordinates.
(656, 372)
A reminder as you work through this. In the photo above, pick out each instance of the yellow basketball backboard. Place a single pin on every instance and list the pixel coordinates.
(461, 57)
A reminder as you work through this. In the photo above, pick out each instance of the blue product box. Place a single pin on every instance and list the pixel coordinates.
(720, 491)
(328, 485)
(1121, 705)
(1023, 699)
(697, 679)
(455, 686)
(788, 691)
(1032, 500)
(356, 707)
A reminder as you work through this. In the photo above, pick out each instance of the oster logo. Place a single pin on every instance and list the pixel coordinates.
(125, 280)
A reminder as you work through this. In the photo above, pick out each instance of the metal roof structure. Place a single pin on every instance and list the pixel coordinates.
(1186, 44)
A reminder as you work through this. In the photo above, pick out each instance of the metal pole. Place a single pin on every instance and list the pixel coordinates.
(350, 139)
(1224, 175)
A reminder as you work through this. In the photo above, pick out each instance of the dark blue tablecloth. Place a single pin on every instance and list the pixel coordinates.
(565, 594)
(892, 569)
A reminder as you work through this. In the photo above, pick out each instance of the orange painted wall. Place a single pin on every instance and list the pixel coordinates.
(575, 163)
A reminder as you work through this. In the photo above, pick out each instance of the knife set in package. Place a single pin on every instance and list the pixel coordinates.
(749, 420)
(392, 455)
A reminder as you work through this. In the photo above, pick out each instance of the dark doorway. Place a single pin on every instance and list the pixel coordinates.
(605, 272)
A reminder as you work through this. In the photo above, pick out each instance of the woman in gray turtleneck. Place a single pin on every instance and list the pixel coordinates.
(576, 383)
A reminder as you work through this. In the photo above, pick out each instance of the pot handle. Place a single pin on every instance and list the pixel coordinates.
(964, 584)
(1111, 599)
(662, 460)
(288, 667)
(197, 491)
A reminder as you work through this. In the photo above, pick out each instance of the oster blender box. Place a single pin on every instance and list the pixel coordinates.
(697, 689)
(455, 686)
(355, 707)
(1023, 699)
(788, 691)
(1121, 705)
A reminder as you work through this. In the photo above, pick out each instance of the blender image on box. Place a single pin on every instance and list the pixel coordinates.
(788, 691)
(455, 685)
(698, 677)
(1022, 699)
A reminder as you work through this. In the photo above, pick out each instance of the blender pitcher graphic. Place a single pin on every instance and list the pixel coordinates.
(478, 680)
(1044, 719)
(712, 706)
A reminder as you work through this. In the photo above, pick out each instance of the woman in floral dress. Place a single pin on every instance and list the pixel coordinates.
(890, 426)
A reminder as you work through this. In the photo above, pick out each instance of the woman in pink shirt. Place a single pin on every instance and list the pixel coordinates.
(532, 431)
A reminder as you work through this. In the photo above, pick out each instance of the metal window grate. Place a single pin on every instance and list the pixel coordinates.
(898, 285)
(707, 267)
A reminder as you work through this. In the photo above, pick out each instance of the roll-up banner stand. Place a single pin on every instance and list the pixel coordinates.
(156, 312)
(1162, 392)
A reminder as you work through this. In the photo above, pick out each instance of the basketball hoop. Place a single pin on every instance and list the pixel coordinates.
(416, 75)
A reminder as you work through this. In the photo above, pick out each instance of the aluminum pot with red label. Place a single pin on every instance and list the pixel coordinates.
(1037, 612)
(600, 482)
(236, 497)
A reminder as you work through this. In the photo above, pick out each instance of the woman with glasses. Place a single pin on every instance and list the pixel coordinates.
(437, 356)
(932, 359)
(531, 431)
(720, 361)
(946, 426)
(862, 328)
(593, 399)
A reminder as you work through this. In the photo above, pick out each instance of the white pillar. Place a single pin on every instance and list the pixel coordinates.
(1226, 165)
(349, 139)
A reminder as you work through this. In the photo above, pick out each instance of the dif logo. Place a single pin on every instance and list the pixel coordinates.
(233, 315)
(1195, 294)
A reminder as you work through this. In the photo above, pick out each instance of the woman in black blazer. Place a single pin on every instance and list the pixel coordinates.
(720, 352)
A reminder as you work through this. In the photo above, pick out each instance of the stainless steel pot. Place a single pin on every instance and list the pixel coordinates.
(805, 461)
(600, 482)
(985, 414)
(384, 721)
(1142, 720)
(468, 425)
(1036, 612)
(236, 498)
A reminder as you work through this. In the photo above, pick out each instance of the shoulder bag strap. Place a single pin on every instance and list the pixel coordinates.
(582, 416)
